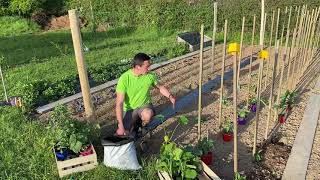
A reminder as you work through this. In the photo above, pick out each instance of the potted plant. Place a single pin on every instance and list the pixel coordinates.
(253, 104)
(282, 118)
(227, 130)
(205, 146)
(287, 100)
(242, 116)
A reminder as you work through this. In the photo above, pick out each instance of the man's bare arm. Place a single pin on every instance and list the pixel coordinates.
(165, 92)
(119, 113)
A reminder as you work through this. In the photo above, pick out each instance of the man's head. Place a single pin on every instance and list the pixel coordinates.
(141, 63)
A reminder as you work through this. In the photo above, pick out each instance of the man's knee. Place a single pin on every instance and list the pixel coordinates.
(146, 115)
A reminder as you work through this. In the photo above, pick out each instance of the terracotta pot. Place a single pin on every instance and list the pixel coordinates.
(87, 152)
(227, 137)
(281, 118)
(207, 158)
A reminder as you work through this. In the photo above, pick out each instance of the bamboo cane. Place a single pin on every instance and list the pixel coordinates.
(269, 49)
(222, 70)
(200, 83)
(235, 129)
(271, 97)
(3, 84)
(214, 33)
(250, 68)
(240, 54)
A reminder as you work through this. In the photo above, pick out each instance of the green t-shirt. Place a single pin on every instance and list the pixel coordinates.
(136, 89)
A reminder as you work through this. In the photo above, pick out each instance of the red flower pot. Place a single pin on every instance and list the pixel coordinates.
(87, 152)
(227, 137)
(282, 118)
(207, 158)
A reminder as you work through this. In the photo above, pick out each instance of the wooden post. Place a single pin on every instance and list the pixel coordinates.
(276, 37)
(235, 116)
(82, 69)
(200, 84)
(270, 44)
(222, 70)
(214, 33)
(250, 68)
(271, 97)
(3, 84)
(240, 54)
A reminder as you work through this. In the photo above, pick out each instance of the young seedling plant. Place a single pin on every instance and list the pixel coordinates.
(204, 150)
(242, 116)
(227, 130)
(177, 162)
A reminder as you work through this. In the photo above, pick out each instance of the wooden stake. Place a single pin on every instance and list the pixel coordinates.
(3, 84)
(256, 121)
(200, 84)
(287, 39)
(262, 23)
(289, 60)
(235, 116)
(240, 54)
(271, 97)
(259, 81)
(222, 69)
(269, 49)
(214, 33)
(250, 68)
(82, 69)
(298, 47)
(280, 81)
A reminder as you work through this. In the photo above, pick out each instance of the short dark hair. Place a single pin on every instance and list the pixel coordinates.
(139, 59)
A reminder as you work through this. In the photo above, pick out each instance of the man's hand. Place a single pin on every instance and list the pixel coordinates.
(121, 131)
(172, 100)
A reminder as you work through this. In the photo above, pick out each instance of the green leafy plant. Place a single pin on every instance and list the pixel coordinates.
(69, 133)
(176, 161)
(227, 127)
(204, 146)
(253, 100)
(243, 112)
(225, 101)
(257, 156)
(238, 176)
(287, 99)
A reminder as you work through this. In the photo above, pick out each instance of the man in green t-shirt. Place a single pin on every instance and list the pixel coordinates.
(133, 104)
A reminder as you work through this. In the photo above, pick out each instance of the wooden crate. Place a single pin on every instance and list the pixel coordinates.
(207, 174)
(78, 164)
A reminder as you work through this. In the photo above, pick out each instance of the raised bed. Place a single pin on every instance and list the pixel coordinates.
(207, 174)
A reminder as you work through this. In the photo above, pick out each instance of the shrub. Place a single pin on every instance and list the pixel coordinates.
(16, 25)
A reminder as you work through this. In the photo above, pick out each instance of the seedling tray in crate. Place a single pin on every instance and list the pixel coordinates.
(206, 174)
(78, 164)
